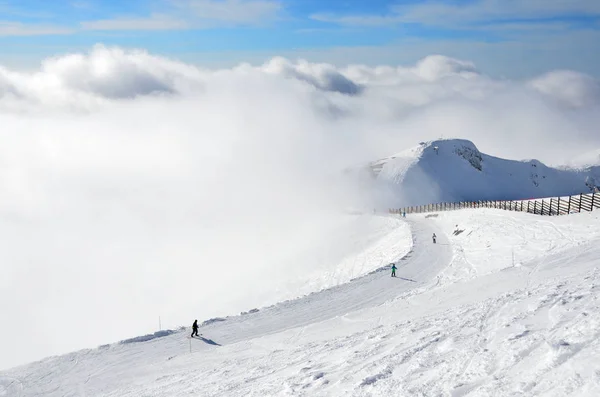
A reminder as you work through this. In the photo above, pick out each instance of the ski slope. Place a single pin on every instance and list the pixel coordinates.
(130, 281)
(505, 304)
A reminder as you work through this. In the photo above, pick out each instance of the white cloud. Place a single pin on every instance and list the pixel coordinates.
(233, 11)
(134, 186)
(445, 14)
(322, 76)
(359, 20)
(8, 28)
(572, 88)
(154, 22)
(196, 14)
(84, 5)
(442, 13)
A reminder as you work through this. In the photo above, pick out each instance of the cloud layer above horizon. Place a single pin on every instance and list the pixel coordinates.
(143, 184)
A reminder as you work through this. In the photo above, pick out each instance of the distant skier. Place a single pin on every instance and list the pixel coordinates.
(195, 328)
(434, 237)
(394, 270)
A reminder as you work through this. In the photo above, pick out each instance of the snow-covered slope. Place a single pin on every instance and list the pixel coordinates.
(99, 300)
(455, 170)
(505, 304)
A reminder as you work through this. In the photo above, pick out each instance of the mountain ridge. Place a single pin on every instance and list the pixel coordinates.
(449, 170)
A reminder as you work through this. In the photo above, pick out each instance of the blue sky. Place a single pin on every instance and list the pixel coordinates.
(509, 37)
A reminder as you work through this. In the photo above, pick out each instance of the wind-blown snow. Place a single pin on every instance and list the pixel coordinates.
(484, 326)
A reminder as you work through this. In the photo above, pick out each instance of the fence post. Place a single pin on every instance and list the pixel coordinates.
(542, 212)
(521, 205)
(534, 206)
(558, 207)
(593, 197)
(542, 207)
(580, 197)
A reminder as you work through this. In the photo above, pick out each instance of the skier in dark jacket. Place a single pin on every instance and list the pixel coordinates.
(434, 238)
(394, 270)
(195, 328)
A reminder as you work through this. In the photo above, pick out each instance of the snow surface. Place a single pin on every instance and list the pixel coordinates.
(474, 321)
(95, 299)
(455, 170)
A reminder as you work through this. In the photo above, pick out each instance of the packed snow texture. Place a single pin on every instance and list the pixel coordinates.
(476, 323)
(454, 170)
(135, 186)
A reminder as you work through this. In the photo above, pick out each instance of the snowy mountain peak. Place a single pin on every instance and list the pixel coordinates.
(456, 170)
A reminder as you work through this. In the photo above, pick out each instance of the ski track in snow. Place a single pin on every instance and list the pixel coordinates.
(474, 323)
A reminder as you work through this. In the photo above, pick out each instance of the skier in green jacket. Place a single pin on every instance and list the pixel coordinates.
(394, 270)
